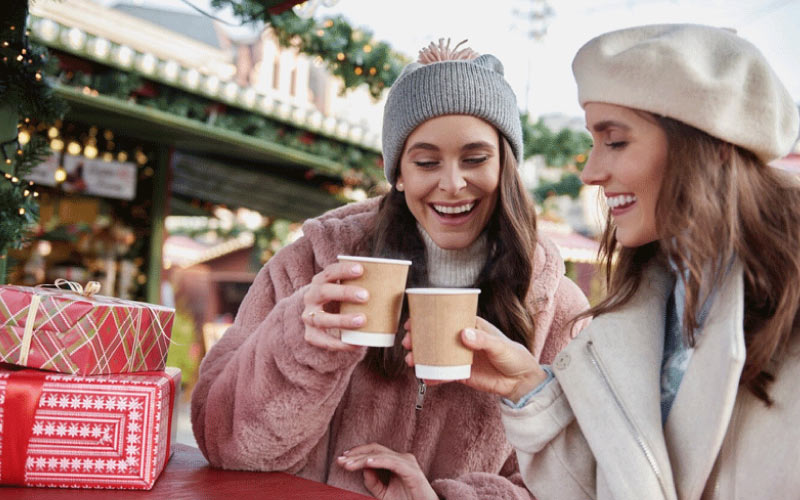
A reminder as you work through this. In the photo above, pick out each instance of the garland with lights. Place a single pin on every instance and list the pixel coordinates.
(349, 53)
(24, 95)
(358, 166)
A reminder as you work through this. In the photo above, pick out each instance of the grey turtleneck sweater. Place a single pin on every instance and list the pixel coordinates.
(454, 268)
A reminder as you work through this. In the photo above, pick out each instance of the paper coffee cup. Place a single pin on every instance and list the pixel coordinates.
(385, 280)
(437, 317)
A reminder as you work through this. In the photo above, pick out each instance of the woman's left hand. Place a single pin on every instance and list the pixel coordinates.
(406, 482)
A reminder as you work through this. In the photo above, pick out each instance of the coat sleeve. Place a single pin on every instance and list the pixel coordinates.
(507, 485)
(555, 460)
(264, 396)
(567, 303)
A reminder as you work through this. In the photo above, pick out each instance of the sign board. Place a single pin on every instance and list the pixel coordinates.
(110, 179)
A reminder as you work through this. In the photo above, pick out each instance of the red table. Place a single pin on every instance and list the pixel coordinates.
(188, 476)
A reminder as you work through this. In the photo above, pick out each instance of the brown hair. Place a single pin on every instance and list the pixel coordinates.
(504, 279)
(718, 202)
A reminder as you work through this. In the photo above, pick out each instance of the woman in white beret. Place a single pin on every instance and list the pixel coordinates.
(684, 386)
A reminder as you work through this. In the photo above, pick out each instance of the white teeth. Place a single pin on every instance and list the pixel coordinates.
(454, 210)
(620, 200)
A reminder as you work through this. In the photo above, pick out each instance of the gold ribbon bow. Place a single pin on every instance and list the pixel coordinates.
(90, 289)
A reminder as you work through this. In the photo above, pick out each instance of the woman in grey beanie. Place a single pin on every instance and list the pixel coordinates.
(282, 391)
(684, 385)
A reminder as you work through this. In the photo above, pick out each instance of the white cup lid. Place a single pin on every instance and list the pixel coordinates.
(374, 259)
(443, 291)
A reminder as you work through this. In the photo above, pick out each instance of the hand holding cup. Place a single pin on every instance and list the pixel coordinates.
(323, 324)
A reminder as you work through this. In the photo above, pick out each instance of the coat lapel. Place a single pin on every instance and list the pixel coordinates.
(627, 346)
(699, 418)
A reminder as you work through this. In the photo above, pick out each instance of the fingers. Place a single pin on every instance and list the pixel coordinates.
(338, 271)
(406, 340)
(373, 483)
(325, 320)
(319, 294)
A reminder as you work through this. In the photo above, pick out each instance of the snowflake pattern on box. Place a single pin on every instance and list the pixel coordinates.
(108, 431)
(79, 335)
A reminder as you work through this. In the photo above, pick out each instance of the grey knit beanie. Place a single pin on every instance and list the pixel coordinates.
(473, 87)
(709, 78)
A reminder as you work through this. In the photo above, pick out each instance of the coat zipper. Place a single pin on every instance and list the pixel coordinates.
(636, 434)
(420, 394)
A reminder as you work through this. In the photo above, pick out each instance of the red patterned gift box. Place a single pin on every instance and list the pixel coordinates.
(69, 332)
(68, 431)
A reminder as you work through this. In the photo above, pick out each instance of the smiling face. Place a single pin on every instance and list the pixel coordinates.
(628, 160)
(450, 173)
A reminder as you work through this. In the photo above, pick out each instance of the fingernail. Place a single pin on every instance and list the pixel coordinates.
(356, 269)
(342, 458)
(470, 334)
(359, 320)
(362, 294)
(345, 453)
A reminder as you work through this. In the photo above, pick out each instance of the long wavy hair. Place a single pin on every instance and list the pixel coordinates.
(718, 202)
(504, 279)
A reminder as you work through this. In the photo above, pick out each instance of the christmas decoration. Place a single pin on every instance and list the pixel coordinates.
(356, 166)
(24, 95)
(349, 53)
(86, 432)
(72, 331)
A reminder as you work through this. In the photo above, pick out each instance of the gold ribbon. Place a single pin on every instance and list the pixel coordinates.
(88, 291)
(27, 335)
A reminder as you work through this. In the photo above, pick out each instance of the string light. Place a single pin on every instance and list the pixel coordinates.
(340, 56)
(60, 174)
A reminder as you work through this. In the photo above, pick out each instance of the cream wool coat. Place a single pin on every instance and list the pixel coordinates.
(596, 431)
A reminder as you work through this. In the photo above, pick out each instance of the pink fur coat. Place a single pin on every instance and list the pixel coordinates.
(267, 400)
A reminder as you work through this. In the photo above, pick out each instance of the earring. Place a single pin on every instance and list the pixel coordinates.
(400, 186)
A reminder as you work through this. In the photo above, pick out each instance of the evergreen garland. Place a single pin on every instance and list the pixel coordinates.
(359, 166)
(349, 53)
(24, 96)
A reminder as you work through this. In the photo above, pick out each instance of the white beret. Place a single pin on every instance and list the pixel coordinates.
(709, 78)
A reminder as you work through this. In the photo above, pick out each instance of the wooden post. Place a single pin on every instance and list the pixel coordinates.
(159, 212)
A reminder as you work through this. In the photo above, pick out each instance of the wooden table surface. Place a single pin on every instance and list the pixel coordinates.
(188, 476)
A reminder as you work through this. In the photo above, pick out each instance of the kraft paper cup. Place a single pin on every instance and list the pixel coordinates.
(437, 317)
(385, 280)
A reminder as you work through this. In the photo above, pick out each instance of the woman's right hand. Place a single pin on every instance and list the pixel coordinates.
(500, 365)
(323, 322)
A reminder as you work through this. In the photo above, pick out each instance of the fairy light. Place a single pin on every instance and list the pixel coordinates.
(60, 174)
(340, 56)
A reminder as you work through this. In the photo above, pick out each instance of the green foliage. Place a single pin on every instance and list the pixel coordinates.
(24, 95)
(357, 165)
(565, 148)
(562, 148)
(569, 184)
(181, 354)
(349, 53)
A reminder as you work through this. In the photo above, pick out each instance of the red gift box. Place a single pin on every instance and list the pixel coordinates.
(68, 431)
(68, 332)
